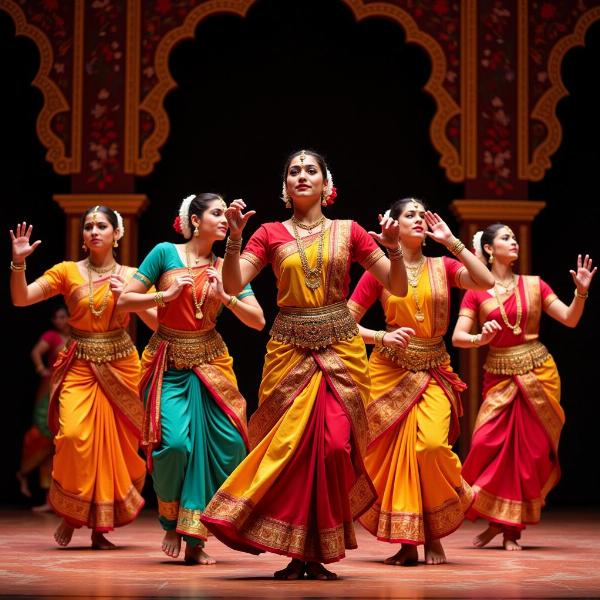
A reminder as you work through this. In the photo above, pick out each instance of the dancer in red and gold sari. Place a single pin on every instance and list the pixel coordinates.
(299, 490)
(414, 403)
(95, 411)
(38, 443)
(513, 461)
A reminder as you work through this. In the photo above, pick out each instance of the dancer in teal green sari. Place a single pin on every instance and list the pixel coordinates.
(194, 430)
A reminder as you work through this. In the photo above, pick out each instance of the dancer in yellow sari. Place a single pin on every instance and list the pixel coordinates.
(415, 396)
(513, 461)
(95, 411)
(299, 490)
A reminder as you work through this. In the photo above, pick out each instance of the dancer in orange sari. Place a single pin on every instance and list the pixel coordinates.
(513, 461)
(38, 445)
(195, 431)
(95, 412)
(299, 490)
(415, 396)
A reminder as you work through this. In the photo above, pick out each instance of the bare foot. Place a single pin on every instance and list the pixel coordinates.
(99, 542)
(407, 556)
(42, 508)
(315, 570)
(486, 536)
(511, 545)
(63, 533)
(197, 556)
(434, 553)
(171, 544)
(294, 570)
(23, 485)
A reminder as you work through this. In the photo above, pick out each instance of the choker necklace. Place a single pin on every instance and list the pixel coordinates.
(309, 227)
(99, 270)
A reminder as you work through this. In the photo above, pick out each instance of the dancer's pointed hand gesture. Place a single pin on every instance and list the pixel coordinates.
(236, 218)
(21, 247)
(438, 230)
(390, 232)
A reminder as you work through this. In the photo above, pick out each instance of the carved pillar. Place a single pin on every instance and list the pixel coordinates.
(474, 215)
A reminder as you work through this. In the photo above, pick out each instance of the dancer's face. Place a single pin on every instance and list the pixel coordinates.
(304, 179)
(60, 320)
(212, 225)
(412, 223)
(505, 246)
(98, 233)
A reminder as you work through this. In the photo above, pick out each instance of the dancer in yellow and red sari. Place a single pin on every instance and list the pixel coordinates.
(299, 490)
(513, 461)
(415, 396)
(38, 444)
(195, 430)
(95, 411)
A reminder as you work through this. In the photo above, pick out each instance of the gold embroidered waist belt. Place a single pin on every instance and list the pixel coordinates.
(188, 349)
(314, 328)
(516, 360)
(421, 354)
(102, 347)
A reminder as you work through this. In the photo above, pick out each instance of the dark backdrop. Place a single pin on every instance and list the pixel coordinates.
(293, 75)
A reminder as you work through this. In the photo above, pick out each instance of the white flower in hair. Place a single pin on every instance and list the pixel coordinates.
(477, 245)
(329, 191)
(120, 225)
(387, 213)
(184, 216)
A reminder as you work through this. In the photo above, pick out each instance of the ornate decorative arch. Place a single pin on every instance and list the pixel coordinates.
(154, 101)
(545, 109)
(447, 108)
(54, 100)
(446, 105)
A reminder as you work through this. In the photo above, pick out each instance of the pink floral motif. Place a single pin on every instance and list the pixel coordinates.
(496, 77)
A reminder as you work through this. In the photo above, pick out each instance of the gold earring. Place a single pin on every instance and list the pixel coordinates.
(196, 231)
(491, 259)
(323, 199)
(115, 244)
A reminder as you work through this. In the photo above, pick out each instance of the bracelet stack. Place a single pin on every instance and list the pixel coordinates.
(232, 302)
(581, 296)
(158, 298)
(475, 339)
(233, 246)
(18, 266)
(395, 253)
(378, 338)
(455, 246)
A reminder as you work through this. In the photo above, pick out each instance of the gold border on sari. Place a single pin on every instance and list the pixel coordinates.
(372, 258)
(442, 520)
(338, 260)
(533, 299)
(252, 259)
(358, 311)
(188, 523)
(439, 294)
(45, 285)
(394, 526)
(507, 510)
(169, 509)
(272, 408)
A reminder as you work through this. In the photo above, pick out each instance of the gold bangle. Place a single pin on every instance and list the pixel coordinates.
(475, 339)
(581, 296)
(378, 338)
(456, 247)
(158, 298)
(232, 302)
(233, 246)
(395, 253)
(18, 266)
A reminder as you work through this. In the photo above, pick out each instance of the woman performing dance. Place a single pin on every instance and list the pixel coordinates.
(95, 411)
(195, 420)
(38, 444)
(299, 490)
(414, 403)
(513, 461)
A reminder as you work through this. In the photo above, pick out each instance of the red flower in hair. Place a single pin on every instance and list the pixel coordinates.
(332, 196)
(177, 224)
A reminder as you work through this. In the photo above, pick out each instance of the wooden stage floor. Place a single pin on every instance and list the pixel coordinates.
(561, 559)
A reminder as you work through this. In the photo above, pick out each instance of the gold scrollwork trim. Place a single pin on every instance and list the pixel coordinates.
(545, 109)
(446, 106)
(153, 103)
(54, 100)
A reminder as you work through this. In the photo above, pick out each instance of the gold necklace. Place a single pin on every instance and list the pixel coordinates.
(312, 277)
(100, 271)
(516, 328)
(413, 276)
(311, 226)
(97, 312)
(198, 305)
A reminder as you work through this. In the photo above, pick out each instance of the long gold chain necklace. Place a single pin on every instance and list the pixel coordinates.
(516, 328)
(97, 312)
(198, 305)
(312, 277)
(414, 274)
